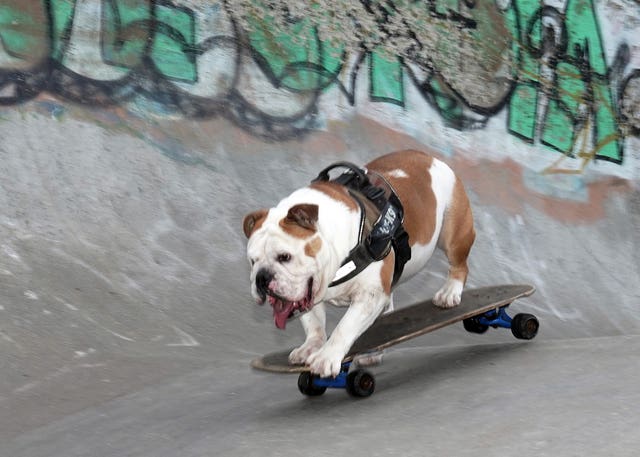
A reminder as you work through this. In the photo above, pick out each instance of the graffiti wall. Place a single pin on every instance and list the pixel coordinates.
(562, 76)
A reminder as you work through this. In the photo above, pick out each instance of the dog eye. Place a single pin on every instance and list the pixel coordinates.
(284, 257)
(252, 261)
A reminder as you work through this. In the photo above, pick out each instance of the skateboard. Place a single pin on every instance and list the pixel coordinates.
(478, 310)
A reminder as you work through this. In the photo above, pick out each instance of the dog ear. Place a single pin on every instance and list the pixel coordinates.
(253, 221)
(304, 215)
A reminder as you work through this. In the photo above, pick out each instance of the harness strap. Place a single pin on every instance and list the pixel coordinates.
(385, 234)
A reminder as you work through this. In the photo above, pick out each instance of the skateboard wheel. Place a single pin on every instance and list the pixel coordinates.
(360, 383)
(306, 387)
(524, 326)
(471, 325)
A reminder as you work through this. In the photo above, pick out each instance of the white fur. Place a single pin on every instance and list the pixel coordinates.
(450, 294)
(364, 295)
(442, 182)
(398, 173)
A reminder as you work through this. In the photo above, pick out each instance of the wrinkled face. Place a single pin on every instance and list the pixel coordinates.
(286, 261)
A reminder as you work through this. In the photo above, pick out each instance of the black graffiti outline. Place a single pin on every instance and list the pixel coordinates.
(50, 75)
(556, 50)
(634, 128)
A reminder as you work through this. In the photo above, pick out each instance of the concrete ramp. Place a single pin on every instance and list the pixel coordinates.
(124, 282)
(131, 147)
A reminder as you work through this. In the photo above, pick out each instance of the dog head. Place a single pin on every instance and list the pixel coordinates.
(285, 250)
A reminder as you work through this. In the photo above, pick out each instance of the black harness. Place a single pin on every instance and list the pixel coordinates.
(386, 233)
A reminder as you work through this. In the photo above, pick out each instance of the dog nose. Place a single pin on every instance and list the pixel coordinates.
(263, 278)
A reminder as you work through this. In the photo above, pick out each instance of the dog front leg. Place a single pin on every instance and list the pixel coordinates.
(327, 361)
(313, 323)
(375, 357)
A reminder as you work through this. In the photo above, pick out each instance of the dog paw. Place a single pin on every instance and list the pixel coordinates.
(449, 295)
(300, 354)
(326, 362)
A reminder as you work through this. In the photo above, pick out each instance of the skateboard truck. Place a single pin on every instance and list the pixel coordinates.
(523, 326)
(359, 382)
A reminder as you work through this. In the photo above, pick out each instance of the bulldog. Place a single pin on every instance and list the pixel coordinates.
(298, 250)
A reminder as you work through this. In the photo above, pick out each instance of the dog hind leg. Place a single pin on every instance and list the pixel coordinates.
(456, 238)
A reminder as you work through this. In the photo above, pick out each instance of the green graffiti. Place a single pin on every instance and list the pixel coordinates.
(386, 79)
(174, 43)
(558, 130)
(443, 6)
(545, 67)
(585, 44)
(131, 29)
(579, 79)
(296, 59)
(523, 105)
(448, 106)
(19, 32)
(62, 12)
(577, 91)
(125, 32)
(309, 64)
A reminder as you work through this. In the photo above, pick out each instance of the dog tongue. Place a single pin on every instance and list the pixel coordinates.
(281, 315)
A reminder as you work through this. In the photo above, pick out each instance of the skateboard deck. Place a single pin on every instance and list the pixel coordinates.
(409, 322)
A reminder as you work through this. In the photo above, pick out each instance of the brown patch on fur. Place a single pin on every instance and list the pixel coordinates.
(419, 202)
(312, 248)
(295, 230)
(336, 192)
(304, 214)
(301, 220)
(386, 272)
(457, 235)
(253, 221)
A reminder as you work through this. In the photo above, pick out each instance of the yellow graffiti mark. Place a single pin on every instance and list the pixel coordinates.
(587, 155)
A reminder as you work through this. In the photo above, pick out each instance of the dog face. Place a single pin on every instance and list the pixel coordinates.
(285, 253)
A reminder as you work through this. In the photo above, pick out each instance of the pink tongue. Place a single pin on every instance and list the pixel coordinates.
(280, 317)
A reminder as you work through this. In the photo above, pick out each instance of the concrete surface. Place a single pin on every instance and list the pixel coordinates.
(127, 327)
(559, 398)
